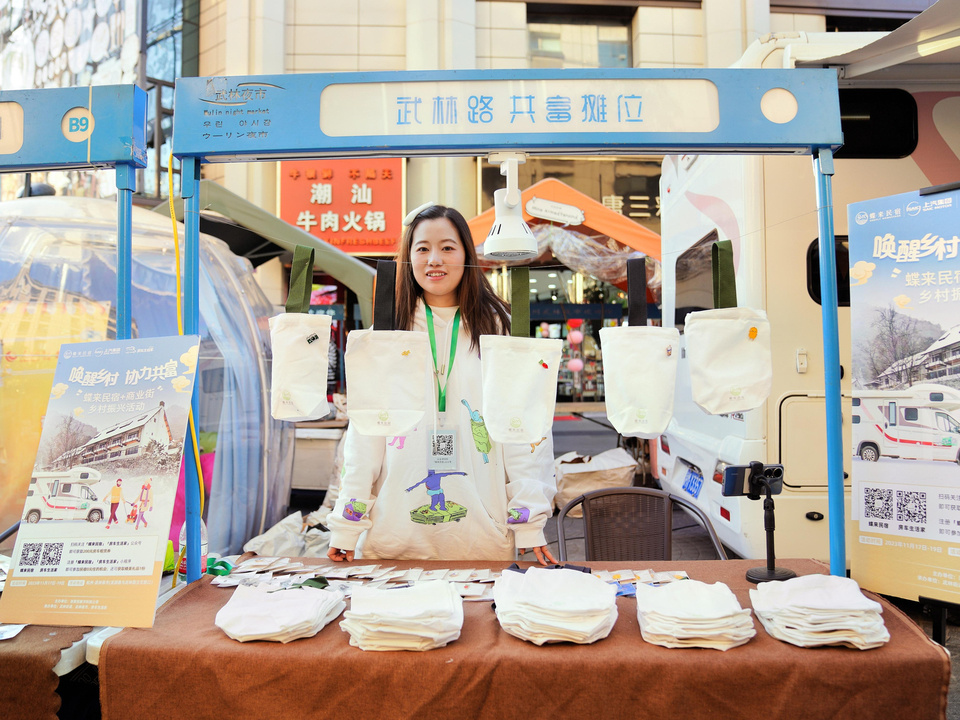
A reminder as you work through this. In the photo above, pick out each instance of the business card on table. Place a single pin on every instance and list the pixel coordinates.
(459, 576)
(433, 575)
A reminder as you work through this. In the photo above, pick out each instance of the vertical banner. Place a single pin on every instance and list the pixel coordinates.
(355, 205)
(905, 319)
(93, 533)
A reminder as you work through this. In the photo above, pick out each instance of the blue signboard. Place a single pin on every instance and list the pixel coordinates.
(57, 128)
(479, 111)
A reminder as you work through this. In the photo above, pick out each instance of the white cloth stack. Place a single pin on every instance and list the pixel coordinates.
(558, 605)
(689, 613)
(425, 616)
(815, 610)
(265, 613)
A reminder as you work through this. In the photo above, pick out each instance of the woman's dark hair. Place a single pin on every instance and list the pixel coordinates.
(482, 311)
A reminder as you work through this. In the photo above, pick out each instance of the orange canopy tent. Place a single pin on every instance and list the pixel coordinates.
(597, 218)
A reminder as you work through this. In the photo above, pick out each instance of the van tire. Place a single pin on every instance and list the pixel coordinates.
(33, 516)
(95, 516)
(869, 452)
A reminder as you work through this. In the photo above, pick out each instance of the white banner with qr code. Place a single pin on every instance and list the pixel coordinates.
(99, 501)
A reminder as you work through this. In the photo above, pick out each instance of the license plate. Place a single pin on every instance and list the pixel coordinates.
(693, 483)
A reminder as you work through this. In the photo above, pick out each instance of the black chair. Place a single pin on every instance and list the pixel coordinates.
(630, 523)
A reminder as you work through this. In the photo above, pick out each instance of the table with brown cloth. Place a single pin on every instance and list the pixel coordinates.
(28, 685)
(188, 665)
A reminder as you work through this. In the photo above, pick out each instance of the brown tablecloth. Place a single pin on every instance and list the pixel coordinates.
(186, 661)
(28, 685)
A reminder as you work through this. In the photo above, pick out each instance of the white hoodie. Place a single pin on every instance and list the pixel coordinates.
(507, 488)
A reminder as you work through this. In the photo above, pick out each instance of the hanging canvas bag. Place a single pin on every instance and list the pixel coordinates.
(386, 369)
(731, 369)
(519, 374)
(639, 375)
(301, 343)
(639, 365)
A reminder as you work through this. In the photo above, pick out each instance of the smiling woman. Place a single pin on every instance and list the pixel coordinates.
(445, 490)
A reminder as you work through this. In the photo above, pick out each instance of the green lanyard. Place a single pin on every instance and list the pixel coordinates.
(442, 391)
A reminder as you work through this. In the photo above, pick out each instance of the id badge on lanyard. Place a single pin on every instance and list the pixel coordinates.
(442, 449)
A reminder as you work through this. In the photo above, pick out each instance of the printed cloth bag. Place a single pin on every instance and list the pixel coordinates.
(730, 361)
(519, 377)
(639, 375)
(301, 342)
(387, 371)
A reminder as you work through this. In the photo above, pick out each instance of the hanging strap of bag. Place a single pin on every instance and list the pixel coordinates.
(637, 292)
(384, 296)
(724, 278)
(520, 301)
(301, 280)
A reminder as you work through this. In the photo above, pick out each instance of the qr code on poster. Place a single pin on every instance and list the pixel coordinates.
(52, 552)
(878, 503)
(30, 554)
(911, 506)
(442, 445)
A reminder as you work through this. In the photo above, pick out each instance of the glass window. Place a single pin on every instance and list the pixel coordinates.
(947, 423)
(695, 279)
(843, 270)
(910, 414)
(567, 43)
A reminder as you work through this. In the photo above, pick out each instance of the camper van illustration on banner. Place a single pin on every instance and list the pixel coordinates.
(917, 423)
(64, 495)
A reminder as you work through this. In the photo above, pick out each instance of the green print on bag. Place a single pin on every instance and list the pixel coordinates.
(439, 510)
(481, 438)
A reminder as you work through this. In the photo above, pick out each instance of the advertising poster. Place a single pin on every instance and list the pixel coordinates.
(94, 527)
(905, 319)
(355, 205)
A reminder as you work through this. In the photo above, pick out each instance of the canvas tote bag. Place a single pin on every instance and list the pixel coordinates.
(301, 342)
(639, 375)
(728, 348)
(519, 374)
(386, 369)
(639, 365)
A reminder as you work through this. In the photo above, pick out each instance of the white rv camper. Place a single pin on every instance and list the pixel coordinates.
(914, 424)
(902, 128)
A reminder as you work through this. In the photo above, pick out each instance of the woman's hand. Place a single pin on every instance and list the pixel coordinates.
(543, 555)
(338, 555)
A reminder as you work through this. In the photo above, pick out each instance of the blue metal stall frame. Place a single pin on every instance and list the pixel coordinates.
(76, 128)
(475, 112)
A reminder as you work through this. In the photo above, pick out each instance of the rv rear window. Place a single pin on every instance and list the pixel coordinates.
(877, 123)
(694, 280)
(856, 402)
(855, 419)
(910, 414)
(843, 270)
(936, 397)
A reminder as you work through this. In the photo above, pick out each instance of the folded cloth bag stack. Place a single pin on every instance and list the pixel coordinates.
(423, 617)
(557, 605)
(689, 613)
(815, 610)
(265, 613)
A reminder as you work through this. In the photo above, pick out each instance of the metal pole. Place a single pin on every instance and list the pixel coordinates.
(823, 170)
(190, 190)
(126, 184)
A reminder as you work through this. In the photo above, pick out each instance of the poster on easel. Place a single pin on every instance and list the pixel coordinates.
(905, 322)
(93, 533)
